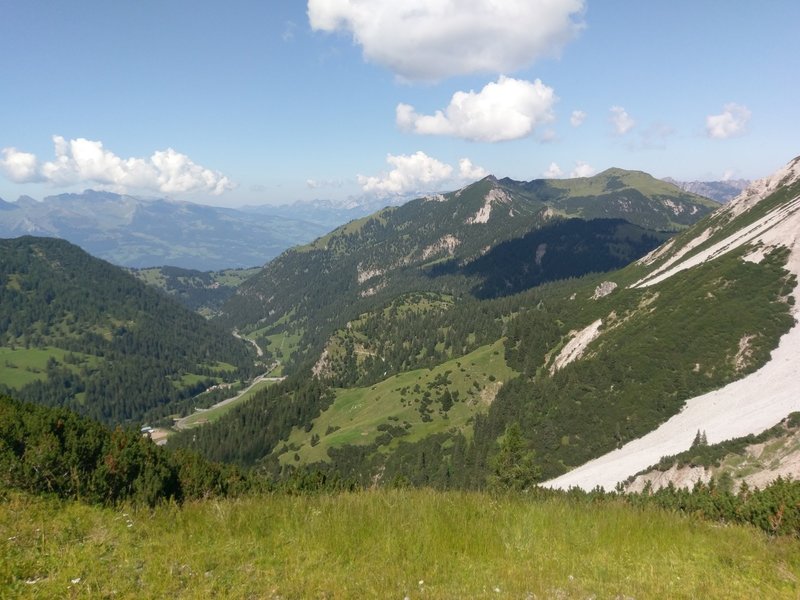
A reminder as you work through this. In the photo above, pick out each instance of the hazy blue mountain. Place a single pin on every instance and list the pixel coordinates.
(138, 232)
(721, 191)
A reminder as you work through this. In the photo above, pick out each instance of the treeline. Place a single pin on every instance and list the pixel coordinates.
(130, 345)
(55, 451)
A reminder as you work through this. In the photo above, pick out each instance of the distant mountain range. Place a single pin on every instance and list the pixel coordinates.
(138, 232)
(721, 191)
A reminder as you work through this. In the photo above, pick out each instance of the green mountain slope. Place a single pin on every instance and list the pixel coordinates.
(202, 291)
(79, 332)
(448, 243)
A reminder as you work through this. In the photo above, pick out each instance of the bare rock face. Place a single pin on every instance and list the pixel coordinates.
(604, 289)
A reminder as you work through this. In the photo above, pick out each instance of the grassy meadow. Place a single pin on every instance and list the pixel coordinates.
(384, 544)
(20, 366)
(359, 415)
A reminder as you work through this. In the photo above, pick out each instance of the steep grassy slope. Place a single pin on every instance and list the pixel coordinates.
(79, 332)
(408, 407)
(758, 228)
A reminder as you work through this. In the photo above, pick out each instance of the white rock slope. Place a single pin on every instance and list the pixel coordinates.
(747, 406)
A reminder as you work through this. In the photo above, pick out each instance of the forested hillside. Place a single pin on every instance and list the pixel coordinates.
(489, 239)
(202, 291)
(76, 331)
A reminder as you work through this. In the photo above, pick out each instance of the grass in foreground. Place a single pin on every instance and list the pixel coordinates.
(384, 544)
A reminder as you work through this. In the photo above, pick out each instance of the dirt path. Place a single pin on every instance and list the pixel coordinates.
(259, 351)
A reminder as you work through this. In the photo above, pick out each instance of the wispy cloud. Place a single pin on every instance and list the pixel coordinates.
(504, 110)
(435, 39)
(288, 31)
(577, 118)
(732, 122)
(621, 120)
(87, 162)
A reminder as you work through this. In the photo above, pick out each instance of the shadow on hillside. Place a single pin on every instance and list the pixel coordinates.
(566, 249)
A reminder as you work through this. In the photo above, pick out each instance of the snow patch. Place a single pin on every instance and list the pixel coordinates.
(691, 245)
(747, 406)
(757, 254)
(575, 348)
(654, 255)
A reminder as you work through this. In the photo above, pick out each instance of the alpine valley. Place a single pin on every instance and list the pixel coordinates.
(415, 337)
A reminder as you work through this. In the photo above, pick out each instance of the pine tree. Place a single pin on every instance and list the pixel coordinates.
(513, 467)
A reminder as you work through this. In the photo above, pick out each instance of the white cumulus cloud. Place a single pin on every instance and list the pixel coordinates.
(504, 110)
(82, 161)
(731, 122)
(469, 171)
(582, 169)
(621, 120)
(553, 171)
(577, 118)
(428, 40)
(418, 173)
(19, 167)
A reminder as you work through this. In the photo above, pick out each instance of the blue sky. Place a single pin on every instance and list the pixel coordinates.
(233, 103)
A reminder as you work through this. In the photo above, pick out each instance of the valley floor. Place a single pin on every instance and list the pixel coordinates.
(385, 544)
